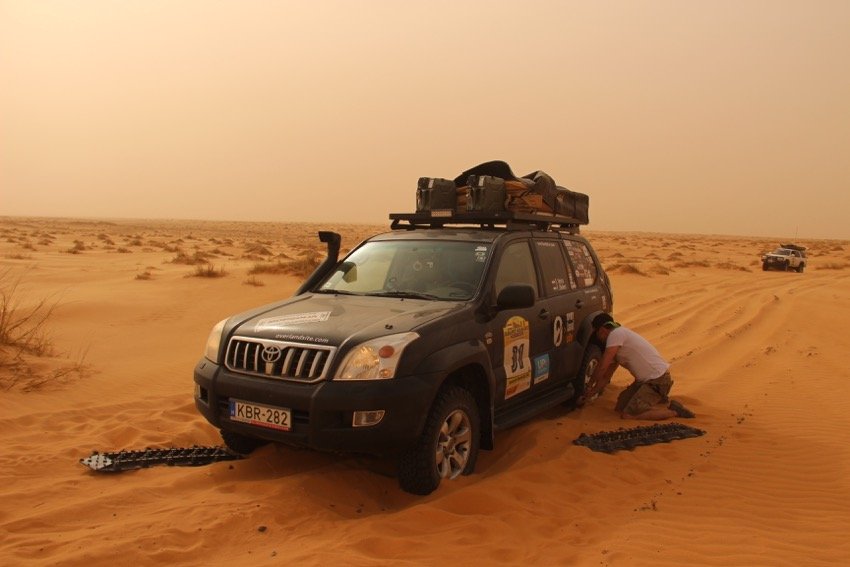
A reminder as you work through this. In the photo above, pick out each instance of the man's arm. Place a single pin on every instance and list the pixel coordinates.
(603, 373)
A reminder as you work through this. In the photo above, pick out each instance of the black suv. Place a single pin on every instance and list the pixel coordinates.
(421, 343)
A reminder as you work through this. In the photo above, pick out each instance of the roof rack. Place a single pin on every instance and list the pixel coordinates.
(510, 220)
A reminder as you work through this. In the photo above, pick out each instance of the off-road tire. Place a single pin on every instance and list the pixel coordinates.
(592, 356)
(800, 268)
(764, 266)
(418, 467)
(239, 443)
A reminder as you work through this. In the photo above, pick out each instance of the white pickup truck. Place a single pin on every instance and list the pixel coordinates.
(786, 257)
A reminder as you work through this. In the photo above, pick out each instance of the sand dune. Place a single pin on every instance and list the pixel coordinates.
(759, 356)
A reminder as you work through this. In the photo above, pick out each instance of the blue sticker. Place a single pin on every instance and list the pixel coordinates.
(541, 368)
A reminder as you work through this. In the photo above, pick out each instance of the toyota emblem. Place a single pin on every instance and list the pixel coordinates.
(271, 354)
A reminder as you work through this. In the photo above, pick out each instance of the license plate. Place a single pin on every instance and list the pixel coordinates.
(261, 415)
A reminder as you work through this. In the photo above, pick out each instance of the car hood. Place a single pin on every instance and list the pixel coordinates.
(332, 319)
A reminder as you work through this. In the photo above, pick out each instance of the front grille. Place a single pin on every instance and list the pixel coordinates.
(277, 359)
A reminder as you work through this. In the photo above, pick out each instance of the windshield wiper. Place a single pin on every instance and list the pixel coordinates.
(406, 294)
(337, 292)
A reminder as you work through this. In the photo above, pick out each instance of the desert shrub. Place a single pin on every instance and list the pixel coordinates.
(731, 266)
(208, 271)
(78, 247)
(146, 275)
(627, 268)
(198, 258)
(19, 256)
(22, 330)
(269, 268)
(692, 264)
(257, 249)
(833, 266)
(253, 281)
(122, 250)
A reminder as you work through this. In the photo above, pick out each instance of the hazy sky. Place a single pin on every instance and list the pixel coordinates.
(729, 117)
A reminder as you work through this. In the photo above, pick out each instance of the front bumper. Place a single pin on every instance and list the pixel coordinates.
(321, 412)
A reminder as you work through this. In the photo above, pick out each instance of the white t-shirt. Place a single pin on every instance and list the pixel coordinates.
(637, 355)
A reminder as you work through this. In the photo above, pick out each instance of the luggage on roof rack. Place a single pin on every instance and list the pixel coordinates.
(510, 220)
(492, 187)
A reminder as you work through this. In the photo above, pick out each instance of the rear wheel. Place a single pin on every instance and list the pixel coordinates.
(448, 446)
(239, 443)
(583, 380)
(800, 268)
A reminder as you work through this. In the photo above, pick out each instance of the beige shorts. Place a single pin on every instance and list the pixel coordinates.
(641, 396)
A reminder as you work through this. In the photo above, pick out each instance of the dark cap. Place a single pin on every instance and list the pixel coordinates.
(604, 320)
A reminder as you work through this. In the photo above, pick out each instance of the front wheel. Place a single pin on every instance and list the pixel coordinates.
(448, 446)
(800, 268)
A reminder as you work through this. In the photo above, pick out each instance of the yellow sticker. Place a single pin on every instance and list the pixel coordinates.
(516, 356)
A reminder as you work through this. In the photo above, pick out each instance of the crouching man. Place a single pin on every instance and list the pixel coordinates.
(647, 397)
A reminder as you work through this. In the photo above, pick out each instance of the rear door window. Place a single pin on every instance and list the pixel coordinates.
(553, 266)
(583, 266)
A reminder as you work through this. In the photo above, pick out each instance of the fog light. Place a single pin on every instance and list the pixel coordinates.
(367, 418)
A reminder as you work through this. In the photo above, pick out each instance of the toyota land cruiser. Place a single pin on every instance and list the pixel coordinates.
(422, 343)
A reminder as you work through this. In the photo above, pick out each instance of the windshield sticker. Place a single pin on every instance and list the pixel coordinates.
(481, 254)
(541, 368)
(295, 319)
(516, 360)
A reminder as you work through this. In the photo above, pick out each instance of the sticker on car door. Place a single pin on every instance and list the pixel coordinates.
(516, 356)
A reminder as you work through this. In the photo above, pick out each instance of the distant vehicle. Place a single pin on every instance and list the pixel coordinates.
(786, 257)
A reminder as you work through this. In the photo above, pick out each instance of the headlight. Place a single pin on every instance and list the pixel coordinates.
(375, 359)
(214, 341)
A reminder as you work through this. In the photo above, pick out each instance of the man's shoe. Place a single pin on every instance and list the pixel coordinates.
(681, 410)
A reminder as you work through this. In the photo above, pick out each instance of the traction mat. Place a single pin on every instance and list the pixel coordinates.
(612, 441)
(185, 457)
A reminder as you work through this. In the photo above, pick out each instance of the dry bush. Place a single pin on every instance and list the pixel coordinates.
(122, 250)
(731, 266)
(198, 258)
(661, 270)
(269, 268)
(78, 247)
(22, 330)
(627, 268)
(253, 281)
(208, 271)
(693, 264)
(257, 249)
(24, 342)
(19, 256)
(146, 275)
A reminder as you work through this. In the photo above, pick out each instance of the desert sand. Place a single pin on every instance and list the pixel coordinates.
(761, 357)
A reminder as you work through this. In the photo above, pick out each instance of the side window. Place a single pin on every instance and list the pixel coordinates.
(554, 267)
(516, 267)
(582, 261)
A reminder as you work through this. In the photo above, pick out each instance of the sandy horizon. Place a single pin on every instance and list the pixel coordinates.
(759, 356)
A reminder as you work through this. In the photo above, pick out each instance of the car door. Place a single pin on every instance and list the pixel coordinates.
(517, 338)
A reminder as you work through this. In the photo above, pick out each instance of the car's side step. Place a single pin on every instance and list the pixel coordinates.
(533, 407)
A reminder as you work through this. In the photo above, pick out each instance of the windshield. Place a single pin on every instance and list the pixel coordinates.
(440, 270)
(781, 252)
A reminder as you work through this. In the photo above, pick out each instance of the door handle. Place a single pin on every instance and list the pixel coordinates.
(579, 303)
(544, 314)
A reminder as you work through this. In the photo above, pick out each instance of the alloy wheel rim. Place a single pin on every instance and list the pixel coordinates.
(453, 444)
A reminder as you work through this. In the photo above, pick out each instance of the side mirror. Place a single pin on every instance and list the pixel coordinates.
(515, 296)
